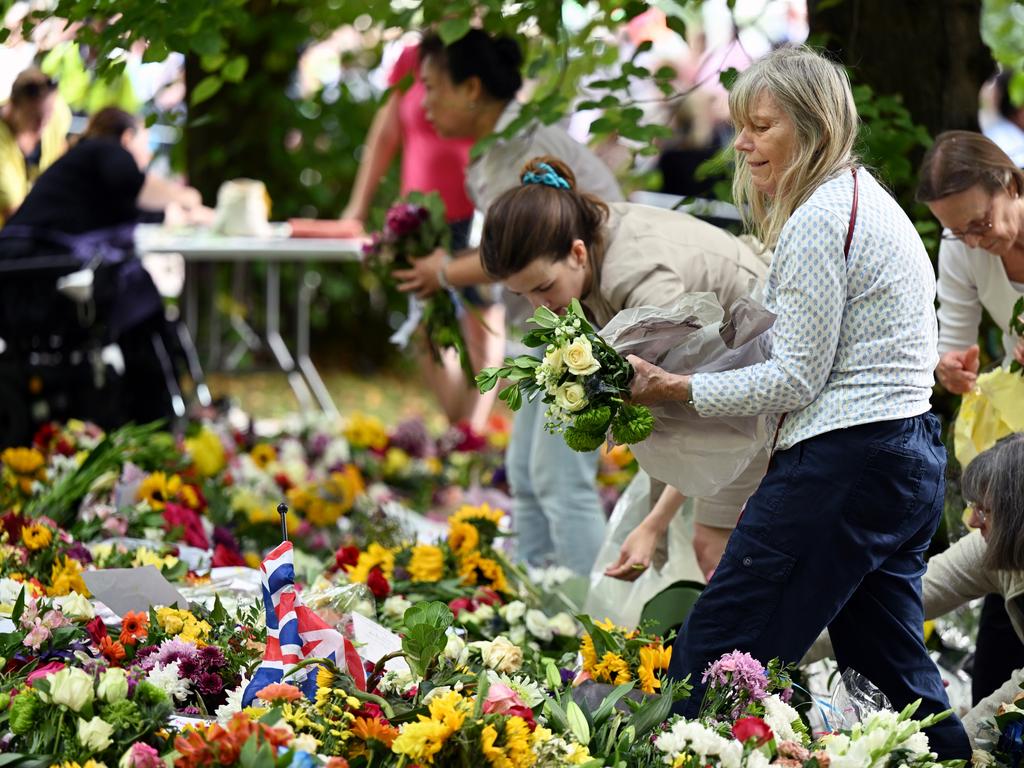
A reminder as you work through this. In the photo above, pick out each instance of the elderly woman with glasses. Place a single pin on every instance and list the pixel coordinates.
(974, 189)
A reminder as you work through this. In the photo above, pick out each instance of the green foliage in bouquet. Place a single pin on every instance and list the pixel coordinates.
(414, 228)
(583, 380)
(1017, 327)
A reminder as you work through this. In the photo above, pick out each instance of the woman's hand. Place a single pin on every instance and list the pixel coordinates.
(652, 384)
(635, 555)
(957, 370)
(422, 277)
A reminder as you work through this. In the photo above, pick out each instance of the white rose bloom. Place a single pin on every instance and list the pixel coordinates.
(554, 359)
(517, 634)
(571, 397)
(513, 612)
(95, 734)
(395, 607)
(454, 648)
(579, 357)
(483, 613)
(502, 655)
(563, 624)
(538, 625)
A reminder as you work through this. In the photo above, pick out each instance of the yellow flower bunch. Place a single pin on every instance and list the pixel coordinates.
(183, 624)
(263, 454)
(477, 570)
(255, 509)
(66, 577)
(463, 537)
(364, 431)
(654, 658)
(422, 740)
(395, 462)
(24, 466)
(207, 452)
(157, 489)
(144, 557)
(615, 655)
(36, 536)
(324, 503)
(427, 563)
(374, 555)
(512, 748)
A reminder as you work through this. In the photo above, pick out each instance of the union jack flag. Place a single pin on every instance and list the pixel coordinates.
(295, 632)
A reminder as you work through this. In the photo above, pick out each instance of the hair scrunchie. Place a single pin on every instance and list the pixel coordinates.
(549, 178)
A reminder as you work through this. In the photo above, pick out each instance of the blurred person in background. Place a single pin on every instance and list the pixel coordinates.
(1000, 119)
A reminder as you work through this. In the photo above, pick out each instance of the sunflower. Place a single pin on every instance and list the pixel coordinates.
(372, 729)
(588, 654)
(517, 743)
(36, 536)
(477, 570)
(364, 431)
(26, 465)
(463, 538)
(263, 454)
(374, 556)
(134, 627)
(484, 512)
(612, 669)
(157, 489)
(649, 682)
(656, 656)
(427, 563)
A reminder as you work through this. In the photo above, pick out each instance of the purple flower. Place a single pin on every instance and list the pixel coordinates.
(177, 650)
(404, 219)
(145, 657)
(211, 656)
(190, 711)
(210, 683)
(223, 536)
(412, 437)
(191, 668)
(79, 552)
(741, 672)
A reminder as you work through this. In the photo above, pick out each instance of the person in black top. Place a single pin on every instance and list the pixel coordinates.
(101, 182)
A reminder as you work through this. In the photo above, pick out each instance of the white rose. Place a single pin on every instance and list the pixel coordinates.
(94, 734)
(482, 614)
(441, 690)
(71, 687)
(76, 606)
(513, 612)
(553, 360)
(982, 759)
(517, 634)
(563, 624)
(538, 625)
(454, 648)
(579, 357)
(502, 655)
(395, 607)
(571, 397)
(113, 685)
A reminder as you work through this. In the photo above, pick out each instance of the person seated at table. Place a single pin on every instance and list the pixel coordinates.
(101, 182)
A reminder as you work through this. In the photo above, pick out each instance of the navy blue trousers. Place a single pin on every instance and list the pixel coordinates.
(834, 536)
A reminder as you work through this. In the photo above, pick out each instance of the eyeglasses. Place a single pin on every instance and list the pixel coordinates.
(972, 230)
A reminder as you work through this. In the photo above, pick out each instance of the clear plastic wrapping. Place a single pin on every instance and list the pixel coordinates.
(698, 456)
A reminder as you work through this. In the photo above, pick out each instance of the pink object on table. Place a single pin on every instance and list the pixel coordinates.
(429, 163)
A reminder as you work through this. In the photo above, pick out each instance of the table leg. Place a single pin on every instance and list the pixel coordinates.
(307, 288)
(277, 344)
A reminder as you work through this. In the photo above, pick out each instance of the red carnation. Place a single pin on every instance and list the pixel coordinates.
(377, 583)
(747, 728)
(346, 557)
(225, 556)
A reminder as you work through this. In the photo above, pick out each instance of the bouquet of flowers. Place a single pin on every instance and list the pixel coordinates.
(1017, 326)
(583, 380)
(414, 228)
(617, 656)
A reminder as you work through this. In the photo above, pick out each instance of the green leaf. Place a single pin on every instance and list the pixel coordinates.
(727, 77)
(218, 615)
(19, 606)
(425, 640)
(206, 88)
(610, 701)
(651, 713)
(544, 318)
(451, 30)
(234, 71)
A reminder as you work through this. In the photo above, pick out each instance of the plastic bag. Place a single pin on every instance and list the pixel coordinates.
(336, 602)
(993, 410)
(855, 698)
(623, 601)
(698, 456)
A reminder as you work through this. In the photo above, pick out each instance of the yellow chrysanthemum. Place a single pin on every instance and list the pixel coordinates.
(66, 577)
(483, 512)
(420, 741)
(517, 752)
(375, 555)
(450, 709)
(263, 454)
(427, 563)
(207, 452)
(195, 631)
(476, 570)
(36, 536)
(612, 669)
(495, 755)
(157, 489)
(172, 620)
(23, 461)
(463, 537)
(364, 431)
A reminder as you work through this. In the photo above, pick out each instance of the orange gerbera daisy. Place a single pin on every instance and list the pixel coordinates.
(279, 692)
(367, 728)
(112, 650)
(134, 627)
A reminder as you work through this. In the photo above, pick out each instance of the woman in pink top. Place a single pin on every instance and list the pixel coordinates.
(431, 163)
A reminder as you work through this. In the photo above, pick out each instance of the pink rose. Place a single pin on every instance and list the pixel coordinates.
(44, 671)
(501, 700)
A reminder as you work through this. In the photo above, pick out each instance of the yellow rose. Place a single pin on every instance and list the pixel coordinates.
(579, 357)
(571, 397)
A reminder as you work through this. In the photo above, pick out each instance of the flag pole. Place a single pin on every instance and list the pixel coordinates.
(282, 510)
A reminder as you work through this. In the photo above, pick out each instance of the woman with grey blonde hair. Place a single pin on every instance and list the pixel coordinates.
(835, 534)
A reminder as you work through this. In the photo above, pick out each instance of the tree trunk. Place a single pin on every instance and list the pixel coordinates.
(929, 51)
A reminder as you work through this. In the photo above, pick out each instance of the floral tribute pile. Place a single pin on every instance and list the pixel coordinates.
(493, 665)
